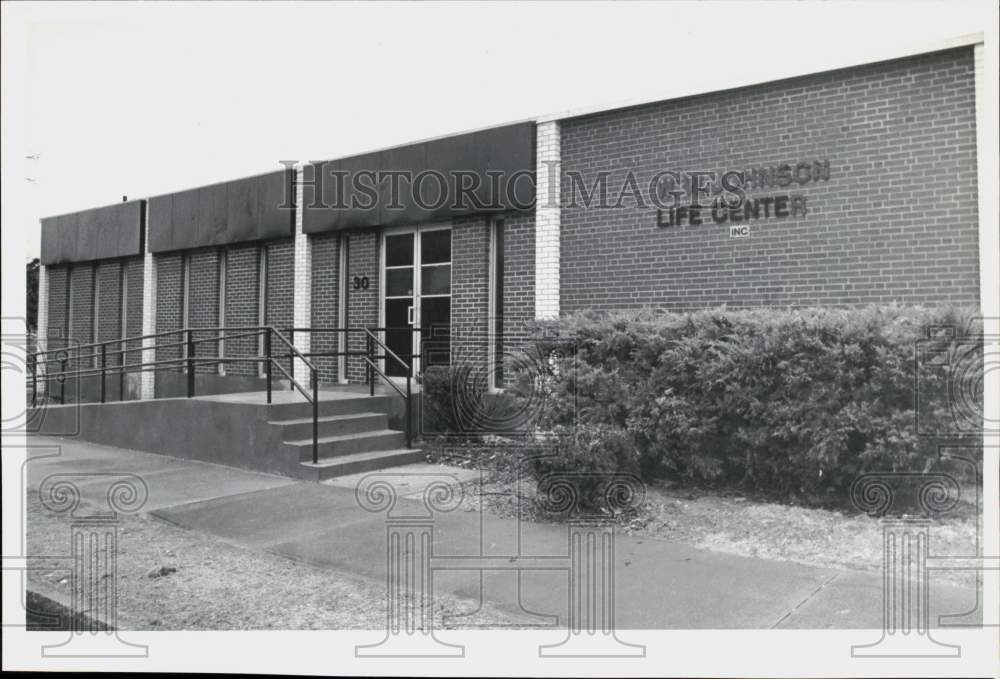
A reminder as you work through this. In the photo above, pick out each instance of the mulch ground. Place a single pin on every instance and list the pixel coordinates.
(715, 520)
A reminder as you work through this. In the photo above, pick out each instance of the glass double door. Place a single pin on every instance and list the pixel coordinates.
(416, 297)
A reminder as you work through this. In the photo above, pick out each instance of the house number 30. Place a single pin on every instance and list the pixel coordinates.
(361, 282)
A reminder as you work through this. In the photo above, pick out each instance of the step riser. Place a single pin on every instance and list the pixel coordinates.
(303, 430)
(362, 466)
(366, 444)
(351, 406)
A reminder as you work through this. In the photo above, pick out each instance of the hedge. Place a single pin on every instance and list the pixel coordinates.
(796, 403)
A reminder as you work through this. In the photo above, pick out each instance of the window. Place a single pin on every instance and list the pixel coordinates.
(434, 301)
(185, 301)
(95, 310)
(185, 288)
(67, 327)
(261, 302)
(123, 287)
(222, 309)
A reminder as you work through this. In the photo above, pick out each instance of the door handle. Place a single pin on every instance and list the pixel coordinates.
(409, 315)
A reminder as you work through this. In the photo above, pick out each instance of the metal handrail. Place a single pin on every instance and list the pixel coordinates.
(251, 330)
(384, 376)
(293, 352)
(189, 360)
(391, 353)
(373, 369)
(349, 329)
(291, 347)
(120, 339)
(72, 353)
(371, 358)
(313, 379)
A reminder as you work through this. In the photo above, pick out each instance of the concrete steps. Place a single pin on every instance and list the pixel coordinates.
(352, 405)
(353, 436)
(347, 444)
(359, 462)
(331, 425)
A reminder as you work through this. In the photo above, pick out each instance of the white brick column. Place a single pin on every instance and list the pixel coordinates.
(147, 382)
(989, 289)
(989, 242)
(302, 291)
(42, 331)
(547, 221)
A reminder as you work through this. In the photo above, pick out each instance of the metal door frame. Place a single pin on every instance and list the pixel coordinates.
(417, 230)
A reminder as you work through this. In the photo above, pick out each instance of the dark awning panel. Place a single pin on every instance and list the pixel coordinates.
(232, 212)
(99, 233)
(358, 191)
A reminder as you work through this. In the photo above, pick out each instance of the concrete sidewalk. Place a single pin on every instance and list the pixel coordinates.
(659, 584)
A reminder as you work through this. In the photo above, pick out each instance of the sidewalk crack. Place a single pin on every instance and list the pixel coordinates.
(808, 597)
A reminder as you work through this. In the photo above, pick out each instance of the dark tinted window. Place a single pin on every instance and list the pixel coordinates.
(399, 250)
(436, 280)
(435, 246)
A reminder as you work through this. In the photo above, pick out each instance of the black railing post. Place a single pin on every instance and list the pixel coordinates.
(34, 381)
(190, 362)
(291, 358)
(267, 365)
(371, 363)
(121, 371)
(104, 372)
(62, 381)
(409, 411)
(314, 377)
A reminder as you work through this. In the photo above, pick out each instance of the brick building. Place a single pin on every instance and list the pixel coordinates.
(848, 187)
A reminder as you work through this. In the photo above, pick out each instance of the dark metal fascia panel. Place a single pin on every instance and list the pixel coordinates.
(509, 150)
(99, 233)
(249, 209)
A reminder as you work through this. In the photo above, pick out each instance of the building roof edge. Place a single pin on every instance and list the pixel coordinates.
(888, 54)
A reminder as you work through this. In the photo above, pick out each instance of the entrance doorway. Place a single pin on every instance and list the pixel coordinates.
(416, 296)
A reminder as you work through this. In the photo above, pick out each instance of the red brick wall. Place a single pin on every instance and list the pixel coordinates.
(518, 280)
(169, 305)
(133, 319)
(469, 292)
(58, 318)
(109, 306)
(280, 285)
(203, 303)
(470, 287)
(362, 305)
(325, 285)
(896, 222)
(103, 279)
(242, 291)
(81, 324)
(241, 298)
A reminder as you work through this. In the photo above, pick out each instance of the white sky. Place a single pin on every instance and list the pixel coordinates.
(145, 98)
